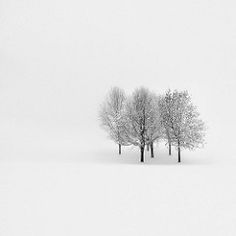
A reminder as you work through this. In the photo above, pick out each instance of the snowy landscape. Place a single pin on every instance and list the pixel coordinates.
(60, 174)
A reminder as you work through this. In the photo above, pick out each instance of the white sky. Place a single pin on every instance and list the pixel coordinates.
(59, 58)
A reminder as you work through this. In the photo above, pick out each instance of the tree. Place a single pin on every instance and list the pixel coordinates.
(154, 132)
(112, 116)
(186, 129)
(166, 114)
(140, 119)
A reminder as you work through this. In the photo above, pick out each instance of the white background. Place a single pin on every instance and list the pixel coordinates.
(59, 174)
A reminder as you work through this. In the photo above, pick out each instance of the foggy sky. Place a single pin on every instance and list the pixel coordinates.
(59, 58)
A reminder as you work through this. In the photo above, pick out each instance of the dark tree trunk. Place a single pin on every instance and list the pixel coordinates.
(148, 147)
(152, 151)
(119, 149)
(179, 155)
(142, 154)
(170, 148)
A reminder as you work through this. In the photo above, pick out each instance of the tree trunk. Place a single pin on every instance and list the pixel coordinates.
(179, 157)
(148, 147)
(152, 151)
(119, 149)
(170, 148)
(142, 154)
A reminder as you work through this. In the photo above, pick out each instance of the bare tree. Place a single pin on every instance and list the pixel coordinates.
(154, 132)
(112, 116)
(166, 114)
(140, 119)
(144, 118)
(185, 127)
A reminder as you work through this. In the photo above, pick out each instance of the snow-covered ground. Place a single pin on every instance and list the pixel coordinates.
(91, 190)
(73, 197)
